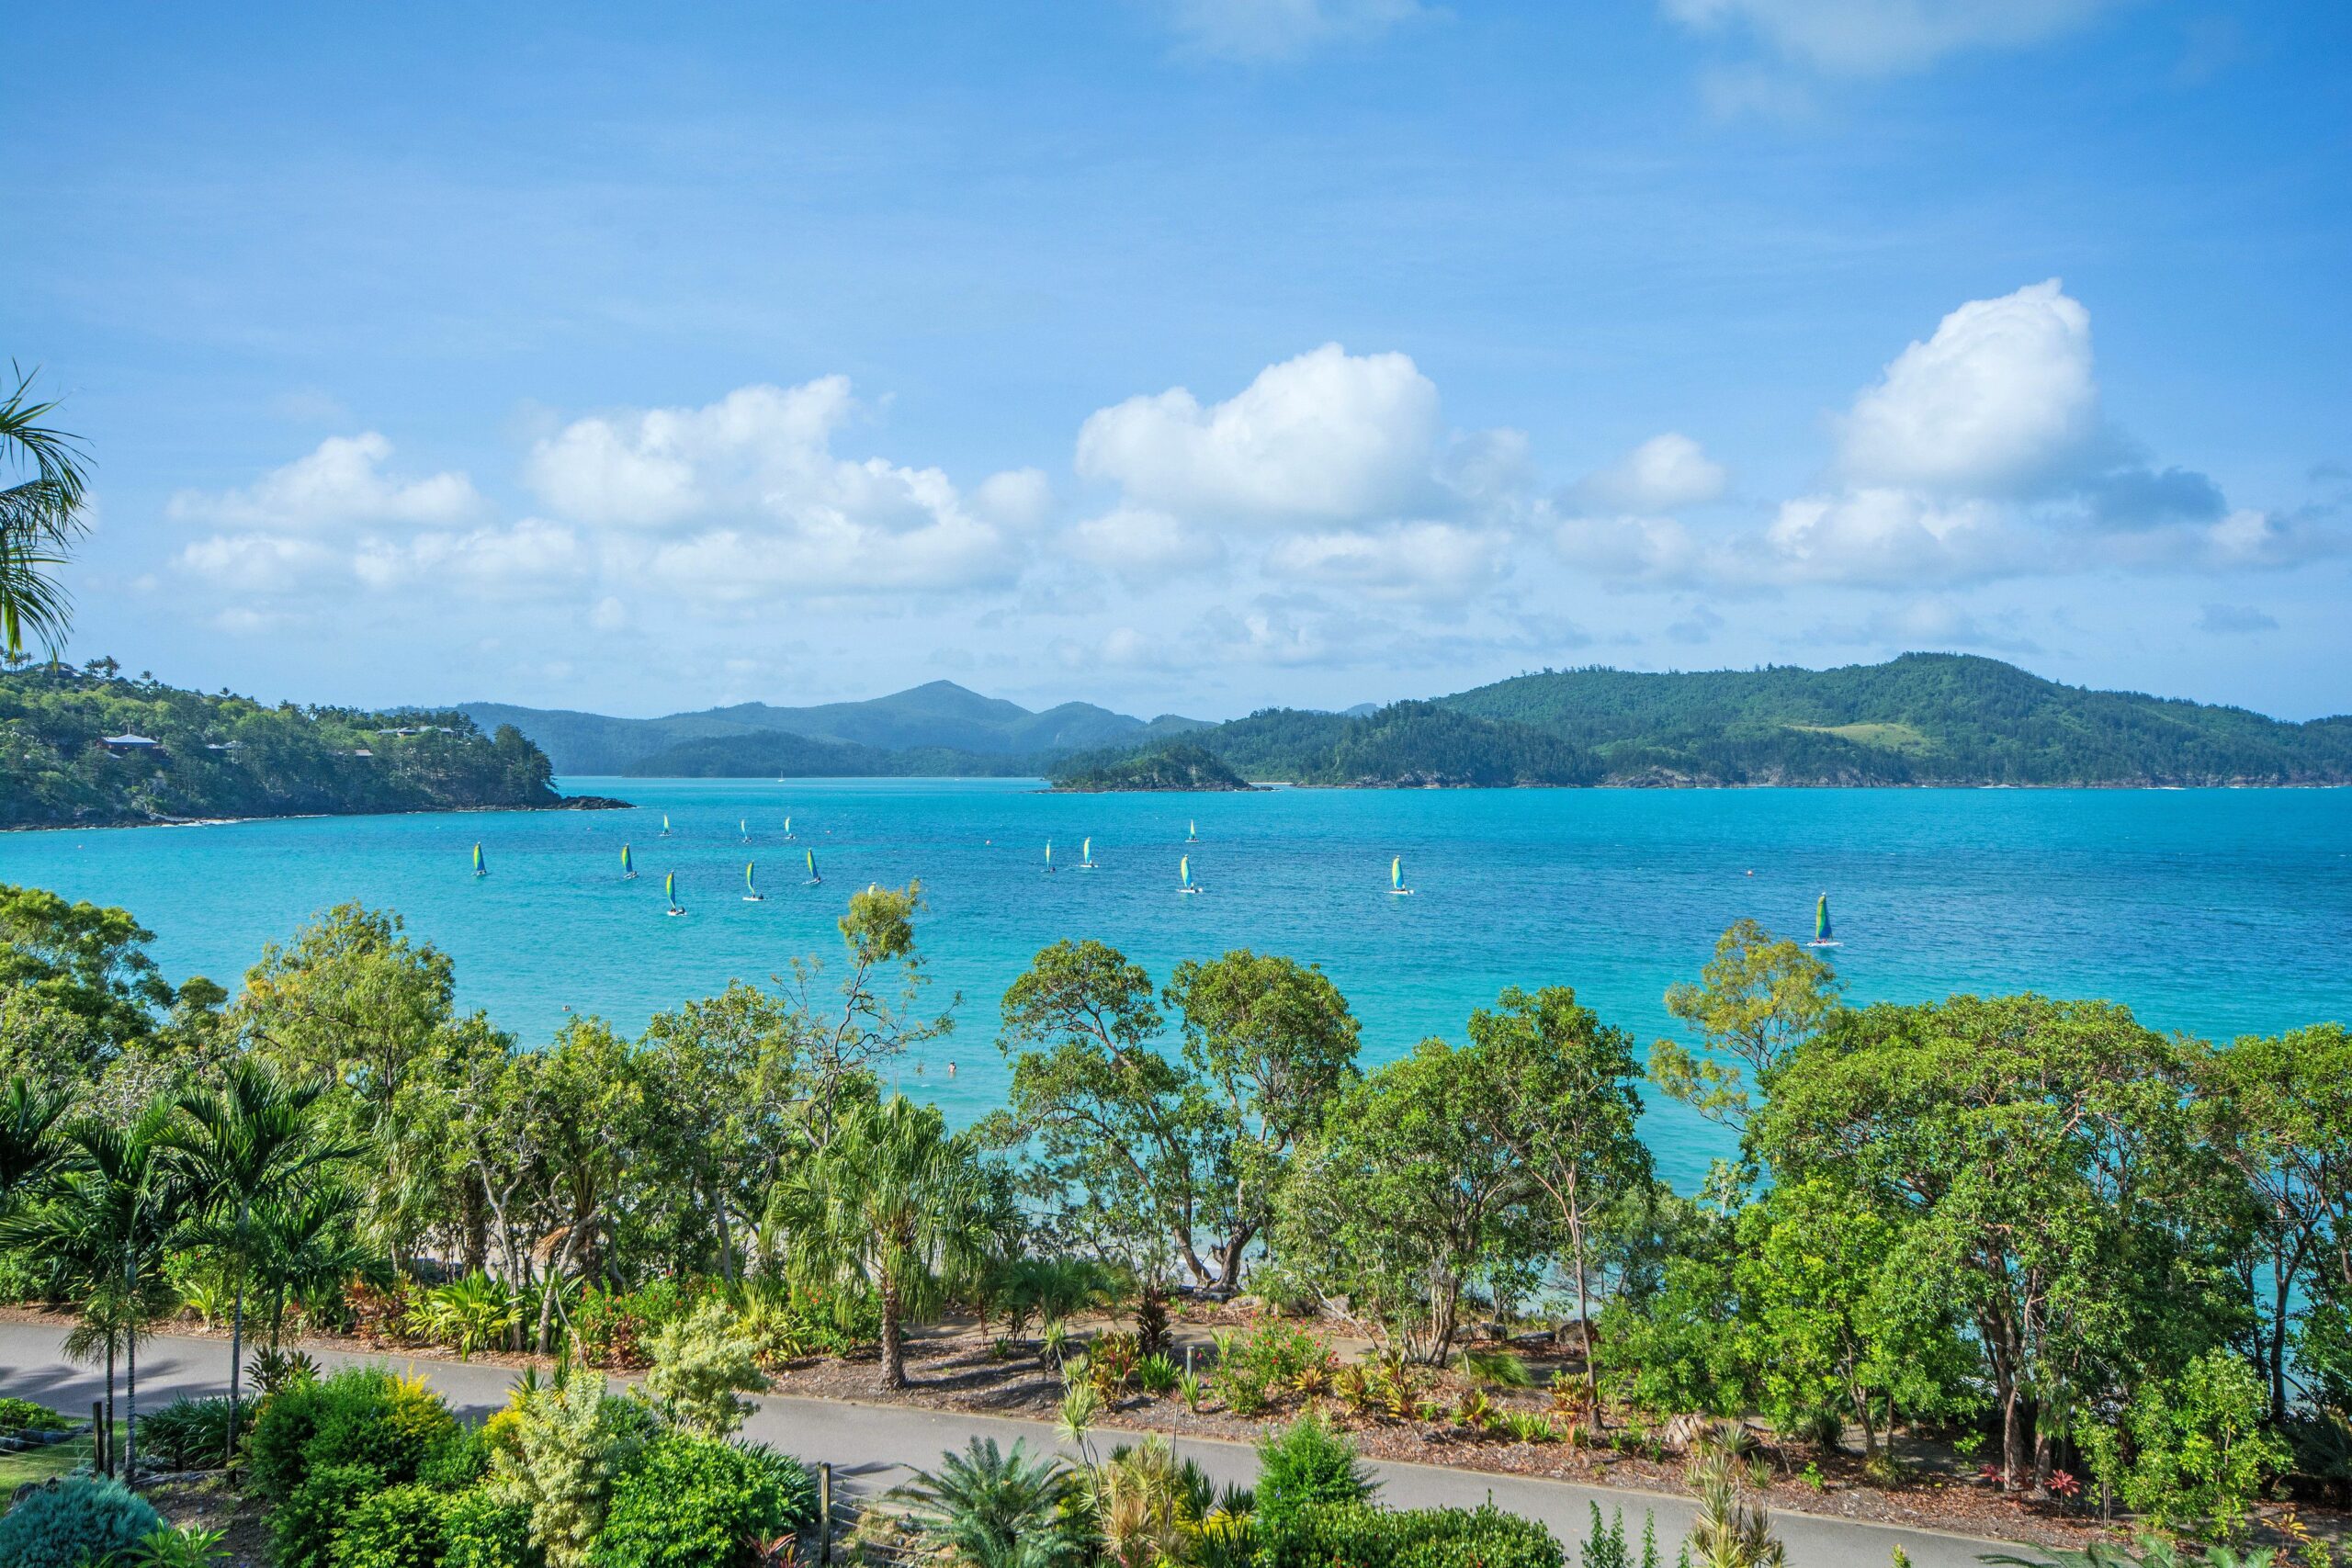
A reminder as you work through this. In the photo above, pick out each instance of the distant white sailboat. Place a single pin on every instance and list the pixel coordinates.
(787, 827)
(1050, 857)
(743, 825)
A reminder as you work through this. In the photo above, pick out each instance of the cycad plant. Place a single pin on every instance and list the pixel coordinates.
(254, 1141)
(989, 1508)
(893, 1203)
(43, 487)
(104, 1223)
(1731, 1531)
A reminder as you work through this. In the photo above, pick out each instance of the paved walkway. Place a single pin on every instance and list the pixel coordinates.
(870, 1447)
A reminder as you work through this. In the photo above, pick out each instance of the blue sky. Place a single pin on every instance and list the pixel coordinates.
(1193, 355)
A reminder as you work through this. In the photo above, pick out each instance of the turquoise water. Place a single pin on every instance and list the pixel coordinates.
(2214, 912)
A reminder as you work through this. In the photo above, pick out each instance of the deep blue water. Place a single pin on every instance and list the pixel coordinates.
(2213, 912)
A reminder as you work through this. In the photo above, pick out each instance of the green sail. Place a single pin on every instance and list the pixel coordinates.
(1821, 919)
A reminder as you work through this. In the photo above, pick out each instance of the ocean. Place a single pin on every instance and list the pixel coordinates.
(2214, 912)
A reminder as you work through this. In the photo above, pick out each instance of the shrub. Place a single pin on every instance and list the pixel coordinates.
(479, 1530)
(560, 1459)
(702, 1368)
(189, 1433)
(69, 1522)
(691, 1501)
(1308, 1466)
(400, 1527)
(2202, 1455)
(1364, 1537)
(469, 1314)
(23, 1416)
(1156, 1374)
(302, 1527)
(610, 1328)
(457, 1461)
(175, 1546)
(1274, 1355)
(362, 1415)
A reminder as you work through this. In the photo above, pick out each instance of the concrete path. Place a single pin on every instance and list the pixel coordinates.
(871, 1447)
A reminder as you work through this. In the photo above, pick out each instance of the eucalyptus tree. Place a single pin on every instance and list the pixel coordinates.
(102, 1226)
(874, 1014)
(256, 1139)
(1757, 1000)
(1561, 1096)
(46, 482)
(894, 1203)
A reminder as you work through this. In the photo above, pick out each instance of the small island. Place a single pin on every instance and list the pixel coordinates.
(90, 747)
(1175, 767)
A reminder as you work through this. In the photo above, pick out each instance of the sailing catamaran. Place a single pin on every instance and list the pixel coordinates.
(628, 867)
(1397, 878)
(813, 877)
(743, 825)
(665, 824)
(787, 826)
(1086, 854)
(1821, 934)
(750, 889)
(481, 868)
(670, 891)
(1184, 874)
(1191, 832)
(1050, 857)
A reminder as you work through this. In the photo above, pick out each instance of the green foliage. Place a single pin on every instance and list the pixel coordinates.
(472, 1314)
(480, 1531)
(687, 1502)
(1364, 1537)
(568, 1446)
(2201, 1455)
(175, 1546)
(23, 1416)
(987, 1507)
(223, 756)
(68, 1523)
(702, 1368)
(1308, 1466)
(1171, 765)
(189, 1433)
(1758, 998)
(1271, 1359)
(304, 1524)
(400, 1527)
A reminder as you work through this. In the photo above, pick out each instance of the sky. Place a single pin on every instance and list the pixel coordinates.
(1191, 355)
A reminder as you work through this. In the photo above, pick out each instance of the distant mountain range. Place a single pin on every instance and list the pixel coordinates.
(1924, 718)
(975, 734)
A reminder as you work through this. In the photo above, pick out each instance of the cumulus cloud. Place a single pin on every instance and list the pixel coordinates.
(259, 563)
(1434, 562)
(2001, 400)
(1662, 474)
(1141, 545)
(1876, 38)
(1329, 437)
(341, 482)
(494, 561)
(1260, 31)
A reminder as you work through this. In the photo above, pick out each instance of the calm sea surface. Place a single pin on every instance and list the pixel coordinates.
(2214, 912)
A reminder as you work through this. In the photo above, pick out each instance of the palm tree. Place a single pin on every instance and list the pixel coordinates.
(28, 1117)
(308, 1243)
(254, 1141)
(105, 1227)
(40, 516)
(893, 1203)
(986, 1509)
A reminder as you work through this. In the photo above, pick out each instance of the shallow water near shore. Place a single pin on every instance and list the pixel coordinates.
(2214, 912)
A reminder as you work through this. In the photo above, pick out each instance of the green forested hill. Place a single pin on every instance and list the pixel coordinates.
(228, 756)
(775, 754)
(1919, 719)
(1173, 766)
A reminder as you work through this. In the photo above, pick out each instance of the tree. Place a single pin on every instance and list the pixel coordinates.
(1273, 1042)
(893, 1203)
(1409, 1197)
(1757, 1000)
(1118, 1136)
(103, 1229)
(29, 1115)
(2278, 1110)
(1559, 1085)
(255, 1140)
(842, 1044)
(41, 519)
(83, 960)
(2033, 1150)
(2200, 1456)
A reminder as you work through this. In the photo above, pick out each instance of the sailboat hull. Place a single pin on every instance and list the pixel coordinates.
(756, 898)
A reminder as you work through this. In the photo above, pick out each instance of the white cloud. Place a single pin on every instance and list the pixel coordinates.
(1653, 548)
(341, 482)
(653, 467)
(492, 561)
(609, 615)
(1873, 37)
(1141, 545)
(1436, 562)
(1018, 498)
(2001, 400)
(1282, 30)
(260, 563)
(1662, 474)
(1891, 538)
(1328, 436)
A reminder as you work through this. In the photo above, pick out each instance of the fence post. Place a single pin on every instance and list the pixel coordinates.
(824, 1515)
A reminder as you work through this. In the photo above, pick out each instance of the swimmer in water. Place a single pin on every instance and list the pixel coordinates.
(951, 1069)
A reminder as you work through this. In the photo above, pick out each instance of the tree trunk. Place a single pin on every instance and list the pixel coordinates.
(237, 1333)
(894, 1350)
(1584, 1316)
(2277, 1357)
(109, 1438)
(131, 1378)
